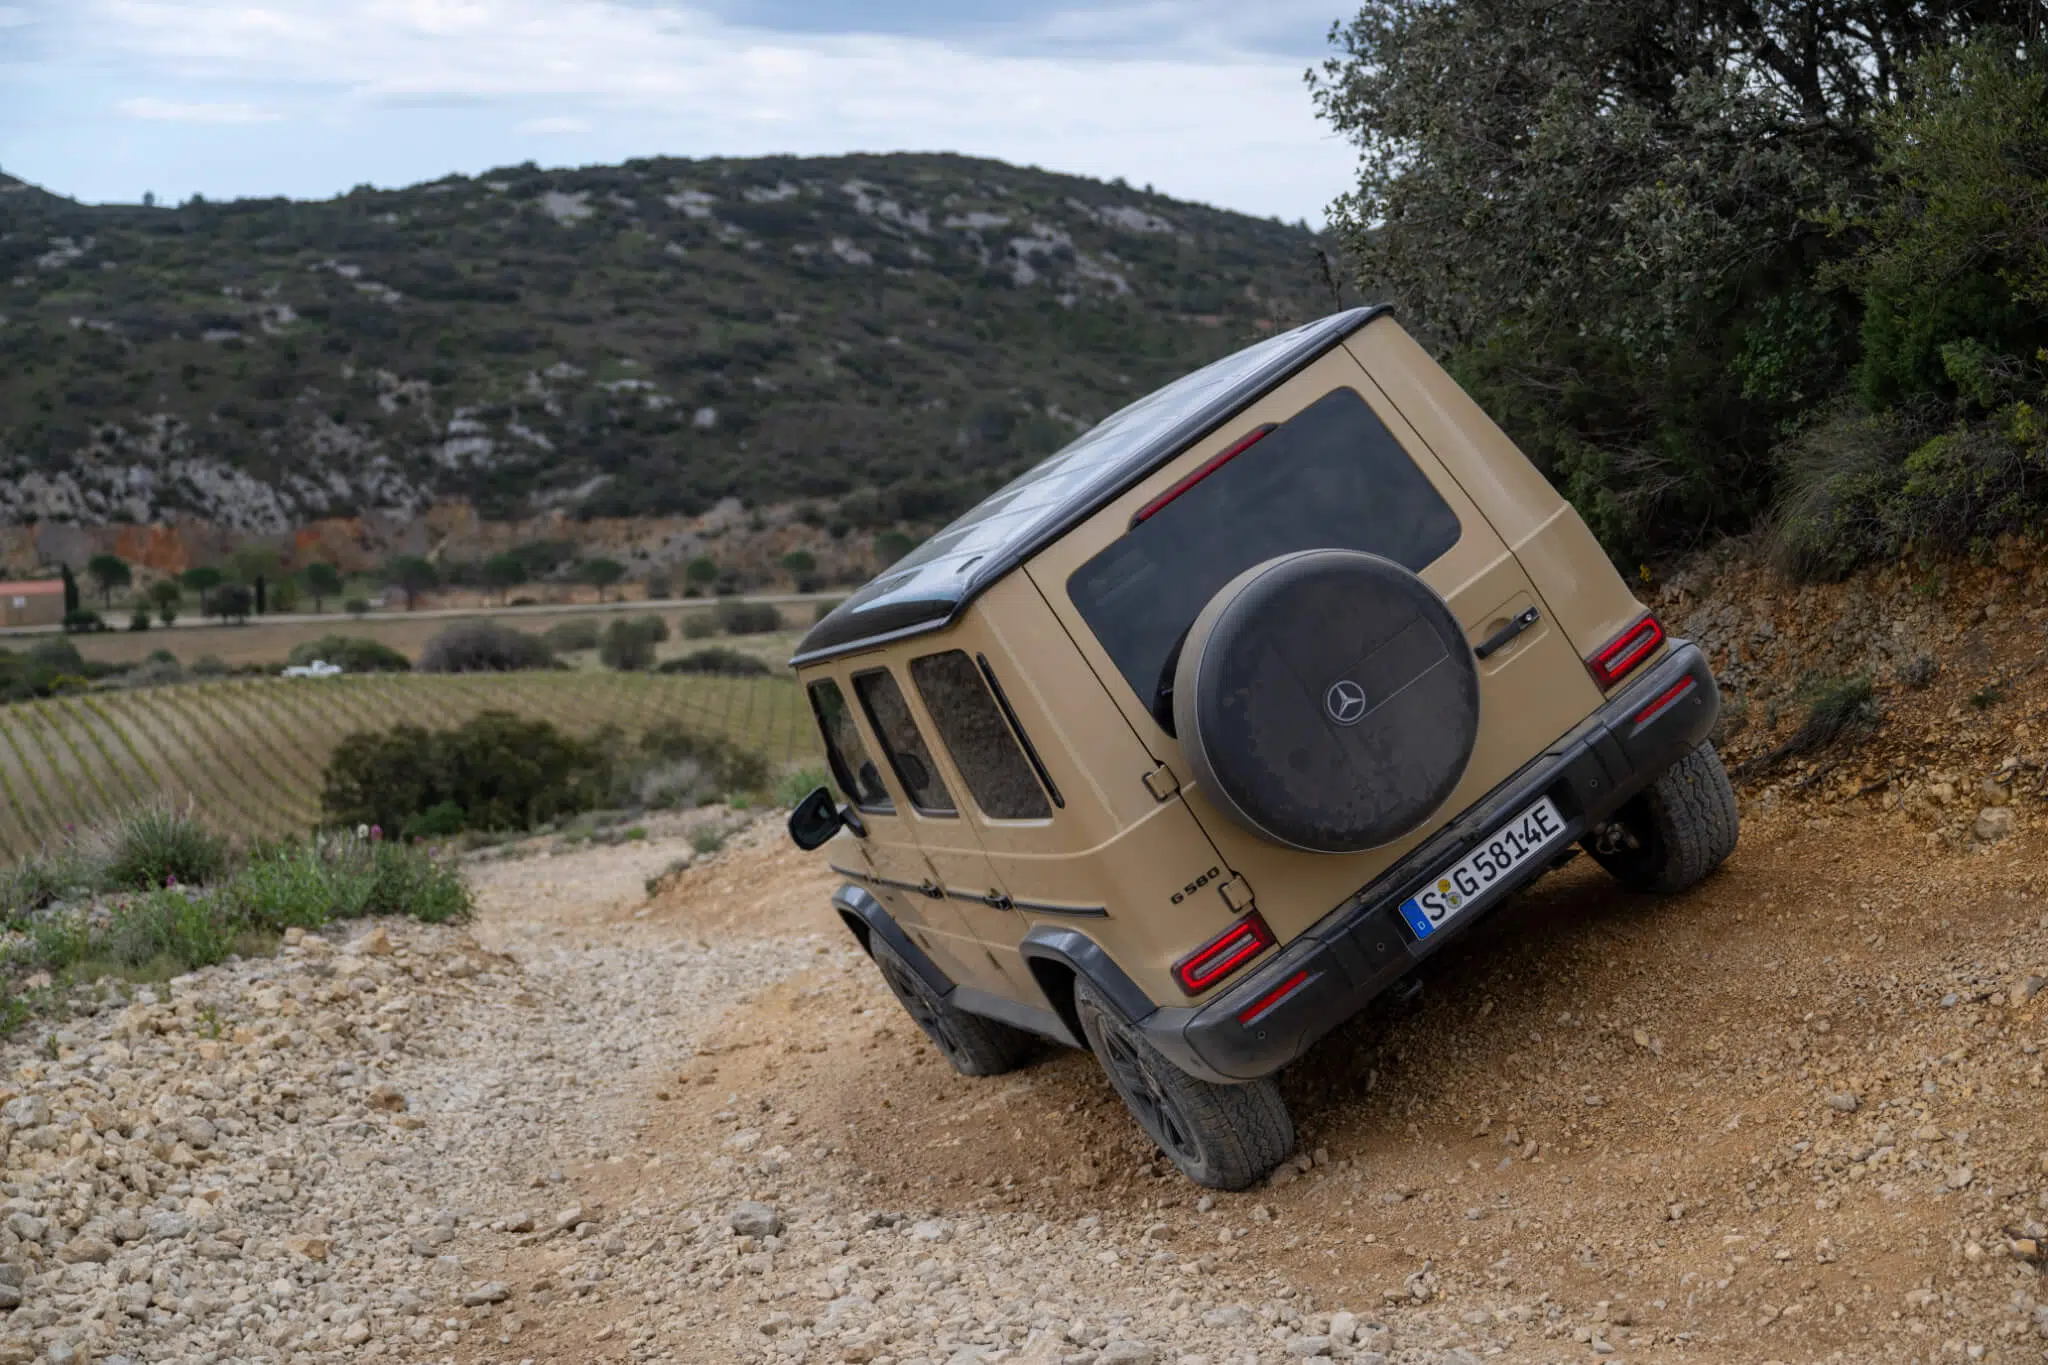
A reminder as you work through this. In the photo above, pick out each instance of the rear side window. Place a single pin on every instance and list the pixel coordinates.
(1333, 477)
(991, 762)
(901, 742)
(851, 767)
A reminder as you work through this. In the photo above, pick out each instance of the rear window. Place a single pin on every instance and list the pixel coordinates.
(985, 752)
(1333, 477)
(902, 743)
(852, 769)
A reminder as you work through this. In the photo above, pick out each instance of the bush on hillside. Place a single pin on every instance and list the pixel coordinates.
(748, 618)
(353, 653)
(350, 653)
(731, 768)
(501, 772)
(157, 845)
(629, 645)
(484, 647)
(572, 637)
(719, 659)
(699, 625)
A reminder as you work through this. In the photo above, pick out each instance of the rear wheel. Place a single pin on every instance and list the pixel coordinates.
(1222, 1136)
(974, 1045)
(1669, 837)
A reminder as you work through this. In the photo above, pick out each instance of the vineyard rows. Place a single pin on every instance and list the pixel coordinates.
(250, 753)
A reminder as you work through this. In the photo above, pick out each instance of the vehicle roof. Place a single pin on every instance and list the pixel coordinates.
(928, 588)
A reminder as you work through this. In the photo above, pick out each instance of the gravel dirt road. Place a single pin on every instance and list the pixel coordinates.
(1795, 1116)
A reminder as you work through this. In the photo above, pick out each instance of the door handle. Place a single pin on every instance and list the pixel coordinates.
(1499, 640)
(996, 900)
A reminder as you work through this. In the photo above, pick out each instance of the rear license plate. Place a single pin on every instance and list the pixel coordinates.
(1466, 882)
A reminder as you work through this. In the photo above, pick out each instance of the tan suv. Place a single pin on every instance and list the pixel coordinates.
(1218, 723)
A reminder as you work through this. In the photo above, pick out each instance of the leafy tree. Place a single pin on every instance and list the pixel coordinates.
(600, 574)
(71, 603)
(505, 572)
(357, 607)
(1609, 215)
(109, 572)
(322, 580)
(703, 571)
(202, 579)
(800, 563)
(232, 602)
(412, 575)
(629, 645)
(169, 597)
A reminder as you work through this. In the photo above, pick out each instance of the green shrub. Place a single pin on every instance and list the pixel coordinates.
(484, 647)
(350, 653)
(572, 637)
(210, 666)
(357, 607)
(138, 619)
(158, 843)
(297, 884)
(83, 621)
(719, 659)
(629, 645)
(499, 770)
(438, 821)
(44, 878)
(186, 927)
(730, 767)
(707, 839)
(795, 785)
(748, 618)
(699, 625)
(410, 881)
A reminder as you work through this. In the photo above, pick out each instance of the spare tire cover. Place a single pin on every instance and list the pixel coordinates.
(1327, 700)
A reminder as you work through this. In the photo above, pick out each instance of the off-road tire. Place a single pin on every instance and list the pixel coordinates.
(1676, 832)
(974, 1045)
(1221, 1136)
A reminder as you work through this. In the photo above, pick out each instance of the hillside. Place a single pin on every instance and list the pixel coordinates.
(638, 340)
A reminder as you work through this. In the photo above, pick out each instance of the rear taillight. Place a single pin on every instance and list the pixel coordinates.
(1251, 1013)
(1223, 954)
(1630, 648)
(1209, 466)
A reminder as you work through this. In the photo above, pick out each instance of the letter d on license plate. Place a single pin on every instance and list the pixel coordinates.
(1465, 883)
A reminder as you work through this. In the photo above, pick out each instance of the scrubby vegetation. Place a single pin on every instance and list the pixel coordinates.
(1723, 263)
(46, 668)
(441, 298)
(748, 618)
(719, 659)
(83, 908)
(484, 647)
(498, 772)
(572, 637)
(351, 654)
(629, 645)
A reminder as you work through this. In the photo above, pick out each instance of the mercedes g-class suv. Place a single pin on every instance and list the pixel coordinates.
(1216, 724)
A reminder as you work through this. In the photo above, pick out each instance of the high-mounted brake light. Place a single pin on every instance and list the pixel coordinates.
(1630, 648)
(1223, 954)
(1209, 466)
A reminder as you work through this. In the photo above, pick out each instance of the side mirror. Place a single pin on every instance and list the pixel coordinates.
(816, 819)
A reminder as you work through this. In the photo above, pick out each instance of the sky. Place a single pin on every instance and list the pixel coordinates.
(104, 100)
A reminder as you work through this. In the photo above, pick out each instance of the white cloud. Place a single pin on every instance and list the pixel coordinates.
(174, 111)
(1222, 124)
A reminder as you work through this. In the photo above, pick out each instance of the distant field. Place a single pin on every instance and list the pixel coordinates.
(250, 753)
(266, 642)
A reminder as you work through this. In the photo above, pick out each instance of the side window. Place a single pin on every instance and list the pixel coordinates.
(851, 767)
(889, 713)
(991, 762)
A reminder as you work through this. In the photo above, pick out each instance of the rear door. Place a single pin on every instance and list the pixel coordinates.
(1339, 468)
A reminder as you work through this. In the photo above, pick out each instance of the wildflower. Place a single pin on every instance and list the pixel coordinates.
(376, 831)
(362, 831)
(170, 879)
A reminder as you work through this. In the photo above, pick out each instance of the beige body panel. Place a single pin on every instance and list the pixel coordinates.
(1583, 594)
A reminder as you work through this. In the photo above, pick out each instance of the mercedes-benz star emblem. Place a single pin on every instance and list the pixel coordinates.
(1345, 701)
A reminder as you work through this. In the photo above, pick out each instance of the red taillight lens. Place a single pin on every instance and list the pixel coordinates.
(1630, 648)
(1671, 697)
(1273, 997)
(1209, 467)
(1223, 954)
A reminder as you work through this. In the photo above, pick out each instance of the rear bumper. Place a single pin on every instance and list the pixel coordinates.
(1364, 945)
